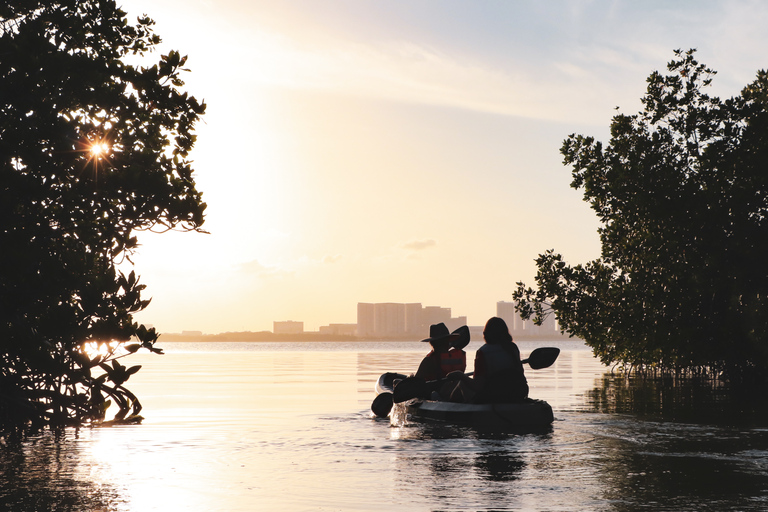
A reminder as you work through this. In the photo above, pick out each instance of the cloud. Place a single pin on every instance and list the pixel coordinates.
(332, 259)
(286, 269)
(403, 71)
(418, 245)
(590, 57)
(254, 268)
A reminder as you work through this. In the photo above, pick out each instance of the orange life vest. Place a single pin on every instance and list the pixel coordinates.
(453, 360)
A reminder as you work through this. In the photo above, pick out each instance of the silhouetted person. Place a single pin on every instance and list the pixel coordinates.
(443, 359)
(499, 375)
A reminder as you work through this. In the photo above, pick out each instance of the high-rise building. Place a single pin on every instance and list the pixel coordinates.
(435, 315)
(396, 320)
(365, 319)
(389, 319)
(506, 311)
(414, 319)
(454, 323)
(519, 327)
(549, 326)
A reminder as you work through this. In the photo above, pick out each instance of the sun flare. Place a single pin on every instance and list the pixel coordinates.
(92, 349)
(98, 149)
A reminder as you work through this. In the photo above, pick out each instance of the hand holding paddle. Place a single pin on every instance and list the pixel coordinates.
(382, 404)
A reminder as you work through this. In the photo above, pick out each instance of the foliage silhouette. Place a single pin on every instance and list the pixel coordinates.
(681, 191)
(93, 148)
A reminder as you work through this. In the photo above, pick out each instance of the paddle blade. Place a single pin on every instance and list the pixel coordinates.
(542, 357)
(382, 404)
(411, 387)
(463, 339)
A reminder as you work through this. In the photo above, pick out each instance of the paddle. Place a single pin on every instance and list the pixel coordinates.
(463, 339)
(382, 404)
(416, 387)
(542, 357)
(413, 387)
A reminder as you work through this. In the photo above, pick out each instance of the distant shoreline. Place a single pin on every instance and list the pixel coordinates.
(310, 336)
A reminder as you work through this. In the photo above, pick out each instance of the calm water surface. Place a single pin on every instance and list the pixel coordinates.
(286, 426)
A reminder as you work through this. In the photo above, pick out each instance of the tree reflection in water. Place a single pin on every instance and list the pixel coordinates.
(44, 472)
(637, 444)
(681, 444)
(680, 399)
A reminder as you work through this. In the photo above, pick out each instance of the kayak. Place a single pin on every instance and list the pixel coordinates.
(386, 382)
(527, 414)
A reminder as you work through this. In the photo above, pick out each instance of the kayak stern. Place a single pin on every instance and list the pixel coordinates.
(527, 414)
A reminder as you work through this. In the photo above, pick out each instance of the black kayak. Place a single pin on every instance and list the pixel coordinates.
(529, 413)
(526, 414)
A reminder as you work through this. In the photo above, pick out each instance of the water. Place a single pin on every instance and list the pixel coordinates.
(286, 426)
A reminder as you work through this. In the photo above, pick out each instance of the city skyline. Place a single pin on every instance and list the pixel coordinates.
(406, 320)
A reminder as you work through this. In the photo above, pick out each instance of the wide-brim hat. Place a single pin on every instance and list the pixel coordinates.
(439, 332)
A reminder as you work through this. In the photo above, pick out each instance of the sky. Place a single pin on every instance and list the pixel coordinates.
(402, 150)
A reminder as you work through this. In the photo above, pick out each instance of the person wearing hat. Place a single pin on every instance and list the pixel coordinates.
(447, 355)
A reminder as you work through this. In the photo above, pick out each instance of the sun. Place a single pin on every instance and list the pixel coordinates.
(99, 150)
(98, 153)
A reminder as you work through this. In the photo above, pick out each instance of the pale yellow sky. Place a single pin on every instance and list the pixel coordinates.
(359, 151)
